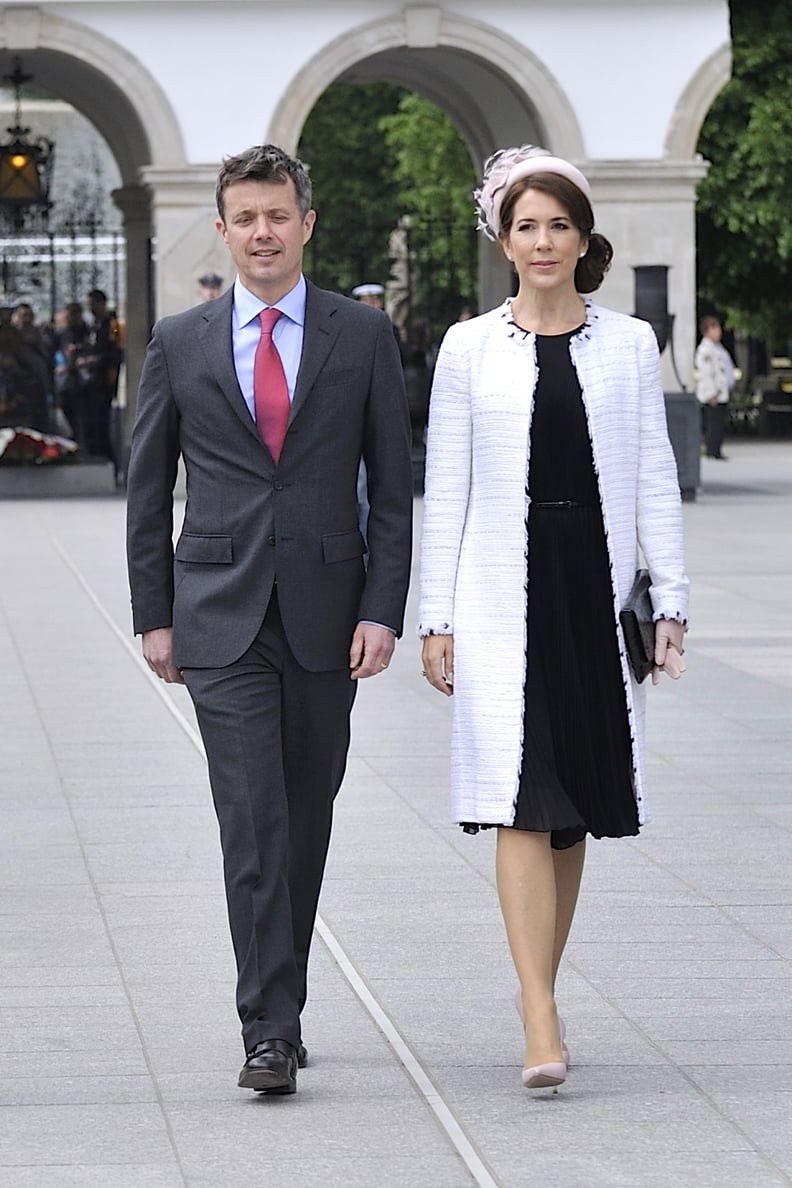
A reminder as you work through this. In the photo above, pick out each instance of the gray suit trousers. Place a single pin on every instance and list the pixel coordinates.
(276, 739)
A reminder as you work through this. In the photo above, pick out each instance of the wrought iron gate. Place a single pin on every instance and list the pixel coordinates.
(48, 269)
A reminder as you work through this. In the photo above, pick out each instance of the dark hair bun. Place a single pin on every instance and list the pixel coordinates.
(591, 270)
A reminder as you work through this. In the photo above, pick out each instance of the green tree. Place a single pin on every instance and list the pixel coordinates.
(435, 174)
(377, 153)
(355, 190)
(744, 226)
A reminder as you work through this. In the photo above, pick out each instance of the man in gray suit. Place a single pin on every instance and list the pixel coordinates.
(266, 608)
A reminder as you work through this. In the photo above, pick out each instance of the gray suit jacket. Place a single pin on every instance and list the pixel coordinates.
(248, 521)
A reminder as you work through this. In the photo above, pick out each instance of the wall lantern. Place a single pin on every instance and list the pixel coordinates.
(25, 165)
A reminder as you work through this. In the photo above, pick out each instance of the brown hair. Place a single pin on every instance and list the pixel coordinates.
(707, 321)
(264, 163)
(591, 269)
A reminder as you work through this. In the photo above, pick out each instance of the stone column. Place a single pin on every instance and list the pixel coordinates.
(187, 242)
(647, 209)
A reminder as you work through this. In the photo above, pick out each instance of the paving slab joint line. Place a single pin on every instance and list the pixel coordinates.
(108, 932)
(682, 1071)
(450, 1125)
(159, 686)
(415, 1070)
(745, 929)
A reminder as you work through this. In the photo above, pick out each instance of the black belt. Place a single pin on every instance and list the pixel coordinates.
(560, 503)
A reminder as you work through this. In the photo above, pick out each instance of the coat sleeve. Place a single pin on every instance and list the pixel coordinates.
(447, 484)
(659, 510)
(151, 478)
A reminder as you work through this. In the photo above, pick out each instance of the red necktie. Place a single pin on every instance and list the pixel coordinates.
(270, 390)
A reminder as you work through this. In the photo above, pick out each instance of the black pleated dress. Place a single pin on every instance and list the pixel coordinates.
(576, 776)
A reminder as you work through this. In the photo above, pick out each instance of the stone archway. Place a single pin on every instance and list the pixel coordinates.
(100, 79)
(446, 42)
(496, 92)
(694, 104)
(126, 105)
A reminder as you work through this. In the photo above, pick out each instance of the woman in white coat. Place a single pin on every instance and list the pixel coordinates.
(548, 468)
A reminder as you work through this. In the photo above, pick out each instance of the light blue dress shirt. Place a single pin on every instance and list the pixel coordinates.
(287, 335)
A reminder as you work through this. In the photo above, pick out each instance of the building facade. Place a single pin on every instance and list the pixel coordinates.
(621, 87)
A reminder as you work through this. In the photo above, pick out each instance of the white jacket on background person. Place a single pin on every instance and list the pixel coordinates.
(475, 531)
(714, 372)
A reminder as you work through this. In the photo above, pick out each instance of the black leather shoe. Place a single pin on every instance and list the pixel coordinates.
(302, 1056)
(270, 1068)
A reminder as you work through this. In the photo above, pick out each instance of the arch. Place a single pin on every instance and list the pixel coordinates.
(129, 109)
(101, 80)
(516, 79)
(694, 103)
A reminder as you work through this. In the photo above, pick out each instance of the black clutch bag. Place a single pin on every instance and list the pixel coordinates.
(638, 626)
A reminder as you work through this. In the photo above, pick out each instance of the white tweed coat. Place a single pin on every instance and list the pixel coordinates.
(475, 536)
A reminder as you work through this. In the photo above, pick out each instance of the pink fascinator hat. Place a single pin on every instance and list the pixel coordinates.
(506, 167)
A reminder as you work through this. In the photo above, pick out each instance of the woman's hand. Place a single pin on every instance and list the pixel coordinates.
(437, 656)
(669, 636)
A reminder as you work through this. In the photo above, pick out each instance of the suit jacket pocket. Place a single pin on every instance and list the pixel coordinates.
(343, 546)
(205, 550)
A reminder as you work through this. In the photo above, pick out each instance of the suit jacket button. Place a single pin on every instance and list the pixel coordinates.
(278, 486)
(270, 540)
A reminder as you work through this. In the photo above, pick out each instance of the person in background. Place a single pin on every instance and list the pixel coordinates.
(548, 468)
(418, 359)
(37, 365)
(374, 295)
(714, 384)
(13, 401)
(24, 318)
(370, 294)
(210, 286)
(73, 382)
(97, 360)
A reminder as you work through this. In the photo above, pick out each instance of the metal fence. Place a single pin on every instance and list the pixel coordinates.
(50, 269)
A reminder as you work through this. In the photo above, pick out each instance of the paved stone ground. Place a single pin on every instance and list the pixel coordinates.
(119, 1043)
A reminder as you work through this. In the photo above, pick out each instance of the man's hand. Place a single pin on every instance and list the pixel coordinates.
(438, 661)
(371, 650)
(158, 654)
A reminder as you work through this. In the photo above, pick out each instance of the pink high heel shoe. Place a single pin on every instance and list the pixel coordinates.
(561, 1026)
(545, 1076)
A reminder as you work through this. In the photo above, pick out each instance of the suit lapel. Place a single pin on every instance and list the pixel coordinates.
(215, 335)
(323, 322)
(322, 325)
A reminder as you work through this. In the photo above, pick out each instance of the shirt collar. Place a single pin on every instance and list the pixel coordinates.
(248, 306)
